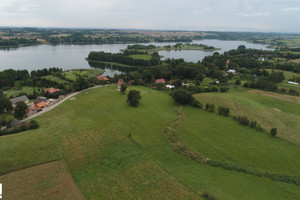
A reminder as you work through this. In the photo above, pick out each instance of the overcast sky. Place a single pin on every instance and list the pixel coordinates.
(215, 15)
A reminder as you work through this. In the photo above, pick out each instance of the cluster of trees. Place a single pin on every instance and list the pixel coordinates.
(262, 84)
(123, 59)
(182, 96)
(45, 72)
(134, 97)
(224, 111)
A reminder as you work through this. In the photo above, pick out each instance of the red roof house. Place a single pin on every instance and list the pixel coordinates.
(40, 105)
(160, 80)
(102, 78)
(52, 90)
(119, 83)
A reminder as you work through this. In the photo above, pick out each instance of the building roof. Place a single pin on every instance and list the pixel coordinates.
(40, 105)
(16, 123)
(52, 90)
(160, 80)
(18, 99)
(102, 78)
(119, 83)
(40, 99)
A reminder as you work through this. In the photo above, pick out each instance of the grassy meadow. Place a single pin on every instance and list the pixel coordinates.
(267, 108)
(90, 73)
(141, 56)
(114, 151)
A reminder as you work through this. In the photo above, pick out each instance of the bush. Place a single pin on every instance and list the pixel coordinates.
(34, 124)
(246, 85)
(210, 107)
(123, 88)
(243, 120)
(237, 82)
(4, 132)
(213, 89)
(16, 129)
(223, 89)
(273, 132)
(253, 124)
(181, 96)
(195, 103)
(223, 111)
(23, 127)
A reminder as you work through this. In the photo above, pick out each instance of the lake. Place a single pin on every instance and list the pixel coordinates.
(73, 56)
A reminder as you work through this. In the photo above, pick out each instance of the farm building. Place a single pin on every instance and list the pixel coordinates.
(119, 83)
(40, 105)
(18, 99)
(40, 99)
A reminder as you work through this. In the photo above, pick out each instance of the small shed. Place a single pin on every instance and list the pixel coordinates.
(40, 105)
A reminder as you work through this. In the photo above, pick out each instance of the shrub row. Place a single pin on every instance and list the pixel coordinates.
(32, 125)
(246, 122)
(248, 170)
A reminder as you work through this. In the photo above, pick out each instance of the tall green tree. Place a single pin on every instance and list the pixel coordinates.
(20, 110)
(5, 105)
(134, 97)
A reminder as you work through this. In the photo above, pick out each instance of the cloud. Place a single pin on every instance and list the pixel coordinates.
(256, 14)
(291, 9)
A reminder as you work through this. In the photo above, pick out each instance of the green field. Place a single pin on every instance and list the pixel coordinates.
(91, 73)
(141, 56)
(56, 79)
(26, 89)
(275, 110)
(119, 152)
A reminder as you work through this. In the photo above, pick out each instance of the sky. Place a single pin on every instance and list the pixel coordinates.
(198, 15)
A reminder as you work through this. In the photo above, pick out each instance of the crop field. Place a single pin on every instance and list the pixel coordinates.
(114, 151)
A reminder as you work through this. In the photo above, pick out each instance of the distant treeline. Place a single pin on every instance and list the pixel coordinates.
(17, 42)
(123, 59)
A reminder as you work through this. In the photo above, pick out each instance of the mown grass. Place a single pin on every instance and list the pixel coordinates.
(269, 109)
(55, 79)
(114, 151)
(141, 56)
(90, 73)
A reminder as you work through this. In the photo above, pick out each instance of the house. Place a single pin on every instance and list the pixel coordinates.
(119, 83)
(233, 71)
(40, 105)
(52, 90)
(40, 99)
(227, 62)
(160, 81)
(16, 123)
(102, 78)
(261, 58)
(19, 99)
(170, 86)
(184, 84)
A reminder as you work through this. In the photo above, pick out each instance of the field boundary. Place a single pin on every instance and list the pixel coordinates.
(178, 146)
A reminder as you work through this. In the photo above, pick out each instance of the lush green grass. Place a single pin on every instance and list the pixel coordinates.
(27, 89)
(55, 79)
(268, 111)
(230, 142)
(114, 151)
(72, 75)
(141, 56)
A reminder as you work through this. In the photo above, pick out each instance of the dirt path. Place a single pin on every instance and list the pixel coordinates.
(58, 103)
